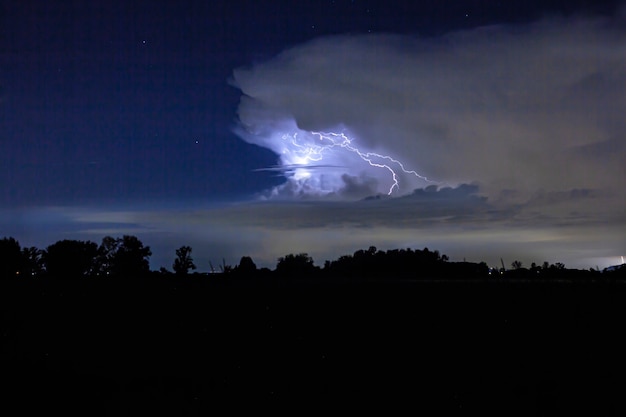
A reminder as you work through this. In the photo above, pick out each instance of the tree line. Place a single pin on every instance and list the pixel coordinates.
(127, 256)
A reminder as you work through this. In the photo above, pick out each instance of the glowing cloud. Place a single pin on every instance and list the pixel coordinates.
(330, 164)
(524, 108)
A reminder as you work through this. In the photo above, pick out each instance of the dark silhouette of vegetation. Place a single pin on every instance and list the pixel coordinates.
(106, 255)
(125, 256)
(74, 259)
(246, 266)
(300, 265)
(131, 257)
(396, 263)
(183, 262)
(33, 261)
(128, 257)
(71, 259)
(10, 257)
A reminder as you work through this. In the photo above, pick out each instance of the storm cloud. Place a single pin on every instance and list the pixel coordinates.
(529, 107)
(520, 130)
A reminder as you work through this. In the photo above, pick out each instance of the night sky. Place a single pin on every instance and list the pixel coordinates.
(483, 129)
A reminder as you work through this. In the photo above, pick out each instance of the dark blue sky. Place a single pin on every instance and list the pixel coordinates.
(126, 103)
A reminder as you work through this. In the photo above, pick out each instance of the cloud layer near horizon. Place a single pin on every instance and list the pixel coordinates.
(456, 221)
(524, 108)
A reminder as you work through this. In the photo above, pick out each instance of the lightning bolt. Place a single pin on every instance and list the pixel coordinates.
(305, 152)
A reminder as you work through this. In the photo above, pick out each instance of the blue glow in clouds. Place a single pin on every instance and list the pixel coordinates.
(333, 164)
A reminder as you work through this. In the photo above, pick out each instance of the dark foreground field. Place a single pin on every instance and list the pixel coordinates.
(192, 347)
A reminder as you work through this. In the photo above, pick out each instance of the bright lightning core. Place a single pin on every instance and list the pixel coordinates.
(335, 164)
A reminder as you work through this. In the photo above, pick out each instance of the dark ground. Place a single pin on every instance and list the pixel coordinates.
(188, 347)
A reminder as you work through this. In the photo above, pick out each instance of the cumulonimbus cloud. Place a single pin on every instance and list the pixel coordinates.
(526, 107)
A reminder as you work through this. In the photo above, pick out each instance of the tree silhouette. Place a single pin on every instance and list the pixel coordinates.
(71, 259)
(300, 264)
(183, 262)
(125, 256)
(131, 258)
(10, 257)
